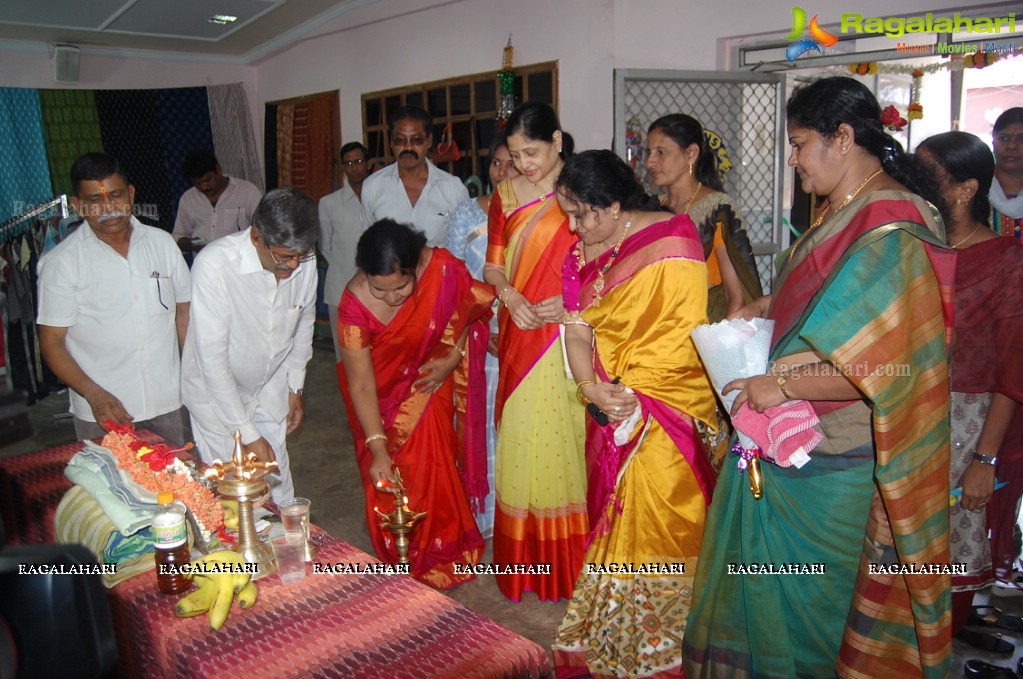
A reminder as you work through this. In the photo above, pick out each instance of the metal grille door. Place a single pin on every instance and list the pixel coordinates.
(743, 114)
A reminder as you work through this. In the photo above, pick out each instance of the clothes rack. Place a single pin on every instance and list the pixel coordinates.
(24, 368)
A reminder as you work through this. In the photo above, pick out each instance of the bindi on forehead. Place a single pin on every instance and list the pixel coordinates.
(103, 189)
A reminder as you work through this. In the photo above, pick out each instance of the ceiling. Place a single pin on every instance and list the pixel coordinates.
(181, 26)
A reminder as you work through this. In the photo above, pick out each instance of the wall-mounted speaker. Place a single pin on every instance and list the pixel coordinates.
(65, 64)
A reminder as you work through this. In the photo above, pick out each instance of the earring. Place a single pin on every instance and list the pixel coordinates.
(958, 201)
(690, 168)
(615, 215)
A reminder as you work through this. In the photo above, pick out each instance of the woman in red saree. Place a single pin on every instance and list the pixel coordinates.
(987, 369)
(412, 330)
(635, 286)
(540, 474)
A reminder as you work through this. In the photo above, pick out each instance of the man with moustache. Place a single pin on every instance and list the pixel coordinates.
(251, 334)
(412, 190)
(340, 228)
(215, 206)
(113, 310)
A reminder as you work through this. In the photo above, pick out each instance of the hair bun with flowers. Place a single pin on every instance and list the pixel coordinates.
(891, 120)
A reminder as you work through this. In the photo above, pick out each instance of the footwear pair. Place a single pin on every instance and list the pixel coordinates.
(992, 643)
(1009, 587)
(978, 669)
(994, 617)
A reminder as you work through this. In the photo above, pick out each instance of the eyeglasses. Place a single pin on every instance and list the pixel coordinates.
(1006, 138)
(291, 261)
(357, 161)
(415, 140)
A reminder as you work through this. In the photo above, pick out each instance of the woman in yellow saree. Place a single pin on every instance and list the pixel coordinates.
(634, 288)
(540, 515)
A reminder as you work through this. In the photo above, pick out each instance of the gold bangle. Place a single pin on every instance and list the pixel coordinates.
(503, 294)
(579, 391)
(784, 391)
(375, 437)
(460, 350)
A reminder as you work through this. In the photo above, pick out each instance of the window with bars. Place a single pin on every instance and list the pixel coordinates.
(468, 103)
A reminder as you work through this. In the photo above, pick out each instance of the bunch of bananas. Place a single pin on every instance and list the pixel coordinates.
(230, 514)
(217, 589)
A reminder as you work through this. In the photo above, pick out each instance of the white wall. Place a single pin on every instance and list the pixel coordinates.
(394, 43)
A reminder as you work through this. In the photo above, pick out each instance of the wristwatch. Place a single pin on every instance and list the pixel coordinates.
(297, 392)
(985, 459)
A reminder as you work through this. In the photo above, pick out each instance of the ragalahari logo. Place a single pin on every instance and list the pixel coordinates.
(818, 36)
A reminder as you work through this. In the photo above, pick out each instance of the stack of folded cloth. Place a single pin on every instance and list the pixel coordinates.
(108, 513)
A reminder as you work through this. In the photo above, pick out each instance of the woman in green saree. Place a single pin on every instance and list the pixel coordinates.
(863, 313)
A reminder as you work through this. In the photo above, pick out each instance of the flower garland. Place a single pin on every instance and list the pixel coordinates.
(955, 62)
(916, 109)
(156, 467)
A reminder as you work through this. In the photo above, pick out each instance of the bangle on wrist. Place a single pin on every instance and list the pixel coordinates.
(460, 350)
(376, 437)
(985, 459)
(503, 295)
(579, 391)
(784, 391)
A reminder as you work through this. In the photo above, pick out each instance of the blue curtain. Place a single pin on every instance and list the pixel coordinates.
(24, 170)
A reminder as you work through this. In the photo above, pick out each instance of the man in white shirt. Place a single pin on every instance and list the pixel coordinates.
(215, 206)
(340, 228)
(412, 190)
(113, 310)
(251, 335)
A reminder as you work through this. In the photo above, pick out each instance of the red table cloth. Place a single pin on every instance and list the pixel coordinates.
(328, 625)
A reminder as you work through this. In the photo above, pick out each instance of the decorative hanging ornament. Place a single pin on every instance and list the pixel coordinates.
(506, 86)
(916, 109)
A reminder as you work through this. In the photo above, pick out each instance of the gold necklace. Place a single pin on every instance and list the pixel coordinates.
(827, 212)
(955, 245)
(598, 285)
(692, 198)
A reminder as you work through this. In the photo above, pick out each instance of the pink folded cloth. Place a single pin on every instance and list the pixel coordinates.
(785, 433)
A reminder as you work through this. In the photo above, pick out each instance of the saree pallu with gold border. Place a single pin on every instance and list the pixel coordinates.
(540, 475)
(647, 498)
(426, 447)
(869, 291)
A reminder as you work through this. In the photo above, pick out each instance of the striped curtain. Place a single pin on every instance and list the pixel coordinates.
(234, 142)
(300, 144)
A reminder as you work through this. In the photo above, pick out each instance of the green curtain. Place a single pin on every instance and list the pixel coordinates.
(71, 128)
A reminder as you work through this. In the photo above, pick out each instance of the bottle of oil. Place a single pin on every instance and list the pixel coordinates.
(170, 537)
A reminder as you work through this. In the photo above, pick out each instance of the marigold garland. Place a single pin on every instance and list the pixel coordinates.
(156, 467)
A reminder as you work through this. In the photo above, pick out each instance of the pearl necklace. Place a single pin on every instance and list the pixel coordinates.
(598, 285)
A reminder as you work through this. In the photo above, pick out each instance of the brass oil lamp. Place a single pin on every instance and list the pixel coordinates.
(243, 479)
(402, 519)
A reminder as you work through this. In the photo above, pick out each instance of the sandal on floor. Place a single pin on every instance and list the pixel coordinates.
(992, 643)
(989, 615)
(978, 669)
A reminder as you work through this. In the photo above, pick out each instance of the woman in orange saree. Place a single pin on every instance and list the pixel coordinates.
(540, 515)
(412, 362)
(635, 286)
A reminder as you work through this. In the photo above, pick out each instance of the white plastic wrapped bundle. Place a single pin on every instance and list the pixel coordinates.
(733, 350)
